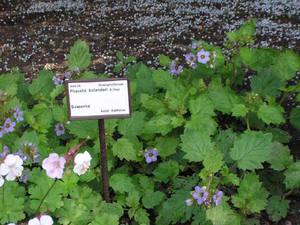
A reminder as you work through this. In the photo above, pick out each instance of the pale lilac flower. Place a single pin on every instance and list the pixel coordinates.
(194, 45)
(54, 166)
(11, 167)
(59, 129)
(151, 155)
(200, 194)
(25, 176)
(5, 152)
(22, 155)
(82, 162)
(190, 59)
(203, 56)
(9, 125)
(189, 202)
(1, 181)
(18, 114)
(67, 75)
(29, 151)
(175, 69)
(42, 220)
(217, 197)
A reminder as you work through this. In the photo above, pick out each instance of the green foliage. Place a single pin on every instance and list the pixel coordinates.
(251, 196)
(207, 127)
(251, 149)
(79, 56)
(292, 178)
(277, 208)
(12, 203)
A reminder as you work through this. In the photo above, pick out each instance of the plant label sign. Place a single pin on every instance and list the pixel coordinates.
(98, 99)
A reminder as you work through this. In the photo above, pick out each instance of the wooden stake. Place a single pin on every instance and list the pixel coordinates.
(103, 161)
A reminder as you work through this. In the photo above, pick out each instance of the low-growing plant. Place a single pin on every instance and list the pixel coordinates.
(206, 144)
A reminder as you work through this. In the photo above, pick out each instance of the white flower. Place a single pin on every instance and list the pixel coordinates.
(82, 163)
(11, 167)
(1, 181)
(43, 220)
(11, 224)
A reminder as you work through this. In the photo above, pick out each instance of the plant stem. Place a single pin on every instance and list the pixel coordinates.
(3, 193)
(45, 196)
(247, 122)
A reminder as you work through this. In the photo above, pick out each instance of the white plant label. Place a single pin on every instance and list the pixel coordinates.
(98, 99)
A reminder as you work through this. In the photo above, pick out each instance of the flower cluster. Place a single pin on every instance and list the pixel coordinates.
(9, 124)
(29, 151)
(202, 196)
(55, 164)
(151, 155)
(59, 78)
(201, 56)
(10, 168)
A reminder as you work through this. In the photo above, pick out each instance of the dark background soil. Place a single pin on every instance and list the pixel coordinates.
(35, 33)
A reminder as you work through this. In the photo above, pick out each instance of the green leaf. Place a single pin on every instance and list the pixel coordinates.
(79, 56)
(43, 85)
(196, 145)
(292, 178)
(166, 171)
(173, 210)
(153, 104)
(132, 126)
(121, 183)
(245, 34)
(251, 196)
(163, 79)
(12, 203)
(202, 106)
(223, 98)
(106, 219)
(164, 60)
(213, 161)
(166, 146)
(271, 114)
(39, 188)
(223, 215)
(277, 208)
(133, 199)
(142, 217)
(280, 157)
(295, 118)
(266, 83)
(224, 142)
(73, 213)
(84, 129)
(160, 124)
(239, 110)
(251, 149)
(9, 82)
(60, 113)
(286, 64)
(203, 124)
(124, 149)
(279, 135)
(145, 83)
(152, 199)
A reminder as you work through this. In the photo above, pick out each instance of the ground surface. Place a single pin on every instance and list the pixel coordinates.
(33, 33)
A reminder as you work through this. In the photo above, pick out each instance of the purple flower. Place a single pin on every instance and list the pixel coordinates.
(22, 155)
(18, 114)
(174, 69)
(5, 152)
(203, 56)
(57, 79)
(25, 176)
(59, 129)
(54, 166)
(200, 194)
(67, 75)
(191, 59)
(151, 155)
(189, 202)
(217, 197)
(9, 125)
